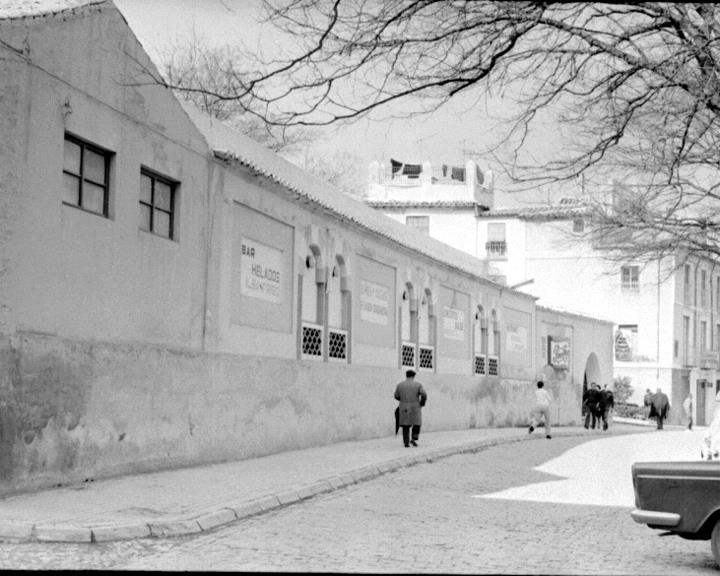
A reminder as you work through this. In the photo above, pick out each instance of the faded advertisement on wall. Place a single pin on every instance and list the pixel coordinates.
(516, 338)
(453, 323)
(374, 302)
(261, 271)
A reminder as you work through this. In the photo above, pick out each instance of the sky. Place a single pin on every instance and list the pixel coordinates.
(448, 136)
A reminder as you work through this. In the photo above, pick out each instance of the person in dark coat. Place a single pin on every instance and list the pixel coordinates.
(607, 403)
(592, 406)
(659, 407)
(412, 398)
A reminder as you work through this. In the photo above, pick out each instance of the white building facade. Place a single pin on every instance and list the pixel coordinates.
(666, 321)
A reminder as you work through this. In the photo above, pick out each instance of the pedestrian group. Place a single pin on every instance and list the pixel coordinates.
(597, 406)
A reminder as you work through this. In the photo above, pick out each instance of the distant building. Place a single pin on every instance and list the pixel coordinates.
(666, 324)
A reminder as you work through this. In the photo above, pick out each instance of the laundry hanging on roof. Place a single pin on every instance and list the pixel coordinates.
(457, 173)
(409, 170)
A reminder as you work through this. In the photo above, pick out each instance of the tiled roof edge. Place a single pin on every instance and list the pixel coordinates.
(50, 12)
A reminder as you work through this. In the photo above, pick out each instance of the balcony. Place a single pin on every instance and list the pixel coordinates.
(496, 249)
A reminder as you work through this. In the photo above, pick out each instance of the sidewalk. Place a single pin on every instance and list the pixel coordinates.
(191, 500)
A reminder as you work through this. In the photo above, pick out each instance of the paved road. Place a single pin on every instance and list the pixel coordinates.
(502, 510)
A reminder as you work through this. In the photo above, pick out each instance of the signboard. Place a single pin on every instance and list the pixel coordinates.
(374, 302)
(516, 338)
(623, 351)
(260, 271)
(453, 323)
(559, 352)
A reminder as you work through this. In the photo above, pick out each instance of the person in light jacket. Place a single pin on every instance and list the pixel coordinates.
(412, 398)
(541, 410)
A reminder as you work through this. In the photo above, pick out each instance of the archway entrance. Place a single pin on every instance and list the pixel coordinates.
(592, 372)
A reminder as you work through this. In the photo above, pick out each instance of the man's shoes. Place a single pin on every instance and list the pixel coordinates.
(413, 442)
(530, 430)
(407, 445)
(548, 436)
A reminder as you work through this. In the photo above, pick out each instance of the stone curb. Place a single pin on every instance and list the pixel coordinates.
(72, 533)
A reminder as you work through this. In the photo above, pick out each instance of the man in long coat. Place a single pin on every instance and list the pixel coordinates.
(659, 406)
(412, 398)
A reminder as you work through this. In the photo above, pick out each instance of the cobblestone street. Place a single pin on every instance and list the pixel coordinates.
(421, 519)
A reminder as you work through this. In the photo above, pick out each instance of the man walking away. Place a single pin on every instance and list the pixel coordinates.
(542, 408)
(412, 398)
(688, 409)
(659, 406)
(607, 403)
(592, 401)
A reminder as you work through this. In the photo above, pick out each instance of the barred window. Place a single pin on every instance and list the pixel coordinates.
(408, 355)
(157, 204)
(493, 366)
(337, 344)
(480, 364)
(312, 341)
(426, 358)
(86, 176)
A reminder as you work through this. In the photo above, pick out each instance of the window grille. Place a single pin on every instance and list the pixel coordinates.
(496, 247)
(426, 358)
(480, 365)
(312, 341)
(337, 344)
(493, 366)
(408, 355)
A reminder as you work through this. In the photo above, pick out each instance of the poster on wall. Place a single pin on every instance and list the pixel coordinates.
(623, 350)
(453, 323)
(559, 352)
(374, 302)
(261, 270)
(516, 338)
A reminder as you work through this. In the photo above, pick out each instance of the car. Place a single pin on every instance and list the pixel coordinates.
(681, 498)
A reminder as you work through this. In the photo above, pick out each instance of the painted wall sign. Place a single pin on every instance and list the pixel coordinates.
(516, 338)
(559, 352)
(453, 323)
(374, 302)
(261, 270)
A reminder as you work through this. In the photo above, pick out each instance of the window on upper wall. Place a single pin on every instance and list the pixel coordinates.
(157, 204)
(86, 176)
(420, 223)
(630, 278)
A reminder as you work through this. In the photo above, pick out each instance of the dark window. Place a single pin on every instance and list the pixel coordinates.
(578, 225)
(86, 176)
(157, 204)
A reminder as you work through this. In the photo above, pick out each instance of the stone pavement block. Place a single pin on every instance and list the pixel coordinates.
(120, 532)
(314, 489)
(63, 533)
(16, 531)
(216, 518)
(268, 503)
(174, 528)
(341, 481)
(365, 473)
(288, 497)
(247, 509)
